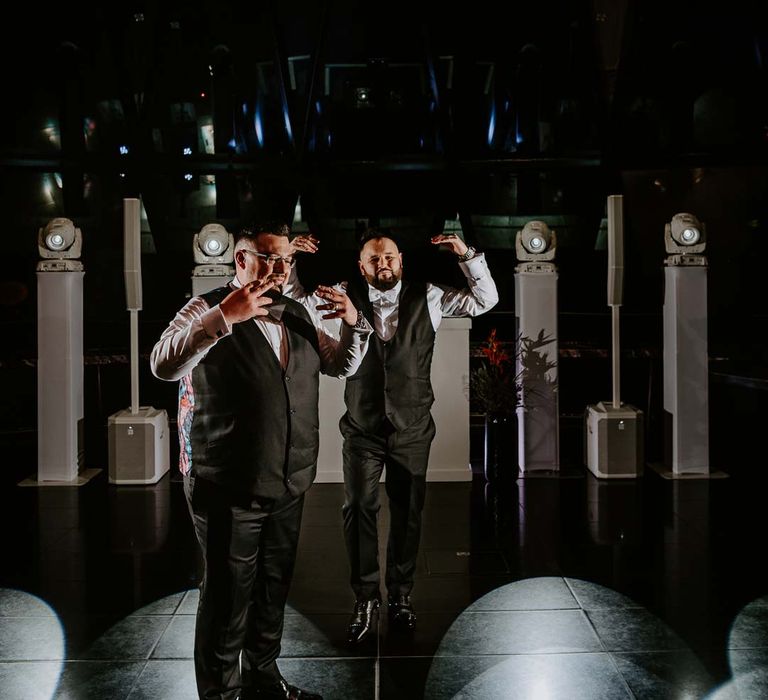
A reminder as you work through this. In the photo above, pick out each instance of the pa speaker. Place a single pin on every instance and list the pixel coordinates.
(615, 249)
(132, 253)
(138, 446)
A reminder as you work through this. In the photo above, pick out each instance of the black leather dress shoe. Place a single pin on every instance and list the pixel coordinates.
(362, 620)
(401, 613)
(281, 691)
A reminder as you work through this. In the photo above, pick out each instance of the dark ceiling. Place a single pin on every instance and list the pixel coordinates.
(408, 113)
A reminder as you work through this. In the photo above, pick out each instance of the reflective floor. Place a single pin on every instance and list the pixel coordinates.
(537, 588)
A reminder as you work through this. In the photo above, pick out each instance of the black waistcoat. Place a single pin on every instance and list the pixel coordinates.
(254, 426)
(394, 379)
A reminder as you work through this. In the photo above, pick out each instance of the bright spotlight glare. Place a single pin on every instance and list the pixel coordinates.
(690, 236)
(536, 243)
(212, 246)
(55, 241)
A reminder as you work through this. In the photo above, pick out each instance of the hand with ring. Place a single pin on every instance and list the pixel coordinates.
(338, 306)
(249, 301)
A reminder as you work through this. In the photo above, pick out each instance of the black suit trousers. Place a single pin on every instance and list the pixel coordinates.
(248, 546)
(403, 456)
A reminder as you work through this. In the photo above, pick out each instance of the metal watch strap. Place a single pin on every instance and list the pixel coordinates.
(471, 252)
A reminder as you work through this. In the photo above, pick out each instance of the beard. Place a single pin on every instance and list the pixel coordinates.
(386, 283)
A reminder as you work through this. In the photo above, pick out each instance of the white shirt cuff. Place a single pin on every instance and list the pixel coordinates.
(214, 323)
(475, 268)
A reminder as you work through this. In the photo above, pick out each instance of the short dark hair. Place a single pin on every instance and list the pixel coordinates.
(374, 232)
(276, 228)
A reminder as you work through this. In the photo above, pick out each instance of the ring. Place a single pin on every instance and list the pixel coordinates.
(337, 306)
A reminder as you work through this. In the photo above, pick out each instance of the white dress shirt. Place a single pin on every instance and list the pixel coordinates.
(480, 296)
(197, 327)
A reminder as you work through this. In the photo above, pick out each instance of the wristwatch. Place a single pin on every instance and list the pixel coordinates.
(471, 252)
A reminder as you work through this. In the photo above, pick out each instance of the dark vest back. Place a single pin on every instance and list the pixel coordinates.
(394, 379)
(254, 426)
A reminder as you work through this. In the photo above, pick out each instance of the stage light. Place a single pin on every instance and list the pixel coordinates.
(363, 98)
(213, 246)
(59, 240)
(684, 235)
(536, 242)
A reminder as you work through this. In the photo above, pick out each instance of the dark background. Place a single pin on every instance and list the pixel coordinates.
(402, 117)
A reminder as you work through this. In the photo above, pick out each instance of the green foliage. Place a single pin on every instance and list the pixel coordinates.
(497, 386)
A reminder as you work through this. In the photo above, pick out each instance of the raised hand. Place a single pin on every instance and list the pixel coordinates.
(304, 243)
(249, 301)
(338, 306)
(450, 241)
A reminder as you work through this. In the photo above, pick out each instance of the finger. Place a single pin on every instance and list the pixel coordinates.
(335, 293)
(329, 293)
(275, 277)
(306, 242)
(258, 287)
(335, 305)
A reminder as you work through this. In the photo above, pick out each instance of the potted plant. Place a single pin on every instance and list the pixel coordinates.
(496, 390)
(500, 386)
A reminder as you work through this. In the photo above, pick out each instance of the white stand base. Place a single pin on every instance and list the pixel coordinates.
(82, 478)
(686, 371)
(666, 473)
(203, 282)
(538, 420)
(60, 402)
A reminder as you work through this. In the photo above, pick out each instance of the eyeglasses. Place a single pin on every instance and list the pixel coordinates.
(271, 260)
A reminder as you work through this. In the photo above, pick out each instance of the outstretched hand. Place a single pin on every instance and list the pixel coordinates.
(450, 241)
(249, 301)
(304, 243)
(338, 306)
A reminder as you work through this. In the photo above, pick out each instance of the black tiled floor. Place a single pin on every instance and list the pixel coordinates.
(557, 588)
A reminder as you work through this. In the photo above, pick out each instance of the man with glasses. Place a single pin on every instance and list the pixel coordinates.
(248, 361)
(388, 424)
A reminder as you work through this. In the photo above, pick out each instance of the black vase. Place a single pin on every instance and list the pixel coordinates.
(500, 458)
